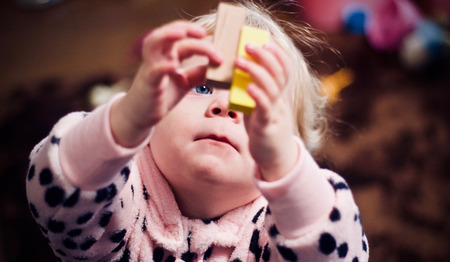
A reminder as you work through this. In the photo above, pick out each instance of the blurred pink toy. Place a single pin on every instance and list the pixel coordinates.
(326, 15)
(390, 23)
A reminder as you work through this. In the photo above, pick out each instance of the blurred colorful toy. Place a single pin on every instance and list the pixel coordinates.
(423, 46)
(355, 16)
(334, 83)
(326, 15)
(391, 22)
(388, 25)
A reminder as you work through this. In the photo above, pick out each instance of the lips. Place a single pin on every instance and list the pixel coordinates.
(218, 138)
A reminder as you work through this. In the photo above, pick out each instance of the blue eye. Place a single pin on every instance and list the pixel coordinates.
(204, 90)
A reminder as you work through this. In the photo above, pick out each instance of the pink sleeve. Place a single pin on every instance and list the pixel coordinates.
(302, 200)
(90, 158)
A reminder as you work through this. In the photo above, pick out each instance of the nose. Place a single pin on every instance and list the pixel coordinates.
(219, 106)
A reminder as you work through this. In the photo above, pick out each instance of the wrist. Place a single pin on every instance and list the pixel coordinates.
(282, 164)
(125, 131)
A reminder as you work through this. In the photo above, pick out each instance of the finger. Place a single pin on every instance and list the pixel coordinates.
(263, 103)
(192, 76)
(179, 29)
(190, 29)
(260, 77)
(158, 70)
(172, 32)
(271, 58)
(190, 47)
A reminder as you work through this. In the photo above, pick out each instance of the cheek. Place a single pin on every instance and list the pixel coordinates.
(168, 138)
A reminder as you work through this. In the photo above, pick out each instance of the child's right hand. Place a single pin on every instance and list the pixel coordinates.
(161, 82)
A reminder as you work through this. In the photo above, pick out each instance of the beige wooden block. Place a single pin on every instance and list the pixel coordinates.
(229, 22)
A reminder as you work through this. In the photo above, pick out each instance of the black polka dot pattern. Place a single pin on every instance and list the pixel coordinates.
(125, 256)
(189, 256)
(208, 221)
(75, 232)
(106, 194)
(255, 218)
(54, 196)
(266, 253)
(254, 245)
(88, 243)
(125, 172)
(105, 218)
(72, 200)
(342, 250)
(31, 172)
(327, 243)
(132, 191)
(69, 243)
(170, 259)
(144, 224)
(83, 219)
(55, 140)
(119, 247)
(145, 193)
(338, 185)
(137, 216)
(273, 231)
(335, 215)
(56, 226)
(287, 253)
(45, 177)
(117, 236)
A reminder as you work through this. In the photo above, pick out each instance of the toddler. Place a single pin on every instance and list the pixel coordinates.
(166, 172)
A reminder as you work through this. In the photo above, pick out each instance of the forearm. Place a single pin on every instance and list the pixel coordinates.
(126, 131)
(89, 154)
(304, 194)
(313, 215)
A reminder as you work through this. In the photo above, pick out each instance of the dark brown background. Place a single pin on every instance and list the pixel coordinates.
(389, 134)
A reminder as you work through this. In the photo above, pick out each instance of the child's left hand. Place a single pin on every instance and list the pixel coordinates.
(270, 126)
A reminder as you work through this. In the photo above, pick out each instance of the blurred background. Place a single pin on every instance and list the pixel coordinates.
(389, 111)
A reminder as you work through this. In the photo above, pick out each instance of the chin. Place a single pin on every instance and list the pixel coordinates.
(218, 171)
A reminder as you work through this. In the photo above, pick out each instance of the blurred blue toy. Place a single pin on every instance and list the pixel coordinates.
(423, 46)
(355, 16)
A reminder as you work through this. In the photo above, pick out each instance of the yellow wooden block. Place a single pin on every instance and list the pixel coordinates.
(240, 100)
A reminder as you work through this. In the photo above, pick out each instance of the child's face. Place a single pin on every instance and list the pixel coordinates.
(201, 143)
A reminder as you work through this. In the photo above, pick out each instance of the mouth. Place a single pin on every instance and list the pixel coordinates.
(217, 138)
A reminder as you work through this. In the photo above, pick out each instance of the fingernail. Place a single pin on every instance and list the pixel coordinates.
(241, 62)
(251, 47)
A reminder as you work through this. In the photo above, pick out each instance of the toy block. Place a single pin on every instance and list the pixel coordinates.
(229, 22)
(240, 100)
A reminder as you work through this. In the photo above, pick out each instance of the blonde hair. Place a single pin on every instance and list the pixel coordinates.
(304, 94)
